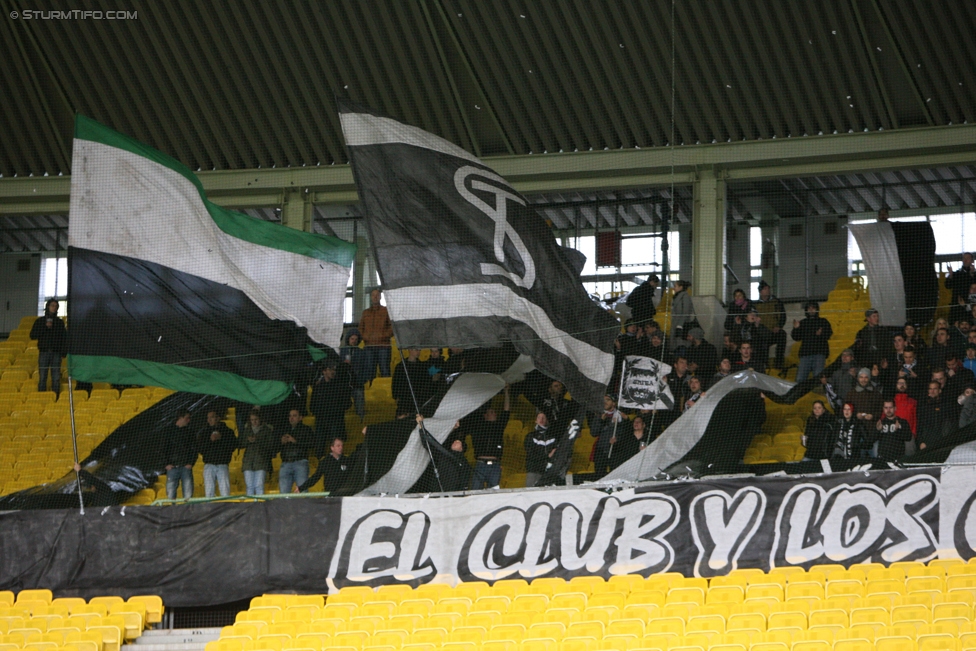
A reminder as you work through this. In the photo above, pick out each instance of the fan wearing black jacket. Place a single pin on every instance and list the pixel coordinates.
(488, 436)
(179, 455)
(891, 432)
(540, 446)
(331, 395)
(216, 443)
(632, 437)
(813, 333)
(52, 341)
(332, 467)
(820, 434)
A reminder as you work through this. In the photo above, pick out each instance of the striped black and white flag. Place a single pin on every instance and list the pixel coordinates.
(466, 262)
(168, 289)
(899, 259)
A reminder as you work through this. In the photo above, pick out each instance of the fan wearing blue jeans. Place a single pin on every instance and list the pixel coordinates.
(813, 333)
(296, 442)
(180, 453)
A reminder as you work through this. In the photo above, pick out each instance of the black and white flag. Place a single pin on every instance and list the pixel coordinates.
(899, 259)
(466, 262)
(643, 384)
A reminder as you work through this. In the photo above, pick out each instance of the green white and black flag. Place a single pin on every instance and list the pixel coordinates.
(168, 289)
(466, 262)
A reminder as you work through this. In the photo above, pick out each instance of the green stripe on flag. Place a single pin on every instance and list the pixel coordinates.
(119, 370)
(235, 224)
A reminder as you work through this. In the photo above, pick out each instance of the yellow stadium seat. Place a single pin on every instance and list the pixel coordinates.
(672, 625)
(550, 586)
(786, 620)
(45, 596)
(829, 617)
(314, 640)
(631, 582)
(432, 591)
(615, 599)
(812, 645)
(390, 638)
(499, 645)
(577, 644)
(111, 636)
(471, 590)
(530, 603)
(576, 600)
(549, 630)
(460, 646)
(510, 588)
(620, 642)
(937, 642)
(685, 595)
(446, 621)
(472, 634)
(895, 643)
(769, 646)
(746, 622)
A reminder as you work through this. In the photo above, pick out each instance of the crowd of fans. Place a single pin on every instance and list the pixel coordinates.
(890, 395)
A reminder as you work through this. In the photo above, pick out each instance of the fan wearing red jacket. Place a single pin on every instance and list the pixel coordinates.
(905, 405)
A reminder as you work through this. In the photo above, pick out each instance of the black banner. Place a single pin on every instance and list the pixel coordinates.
(205, 554)
(198, 555)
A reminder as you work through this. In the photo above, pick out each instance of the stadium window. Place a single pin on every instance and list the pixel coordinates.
(53, 282)
(639, 255)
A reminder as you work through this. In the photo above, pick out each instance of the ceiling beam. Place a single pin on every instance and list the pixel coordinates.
(918, 148)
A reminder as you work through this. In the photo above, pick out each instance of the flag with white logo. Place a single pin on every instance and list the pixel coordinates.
(644, 384)
(466, 262)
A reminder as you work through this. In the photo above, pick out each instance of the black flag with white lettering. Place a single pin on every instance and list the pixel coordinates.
(466, 262)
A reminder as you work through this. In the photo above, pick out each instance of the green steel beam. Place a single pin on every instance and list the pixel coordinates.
(781, 158)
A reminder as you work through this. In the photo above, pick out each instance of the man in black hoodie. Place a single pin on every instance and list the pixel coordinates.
(296, 442)
(179, 455)
(814, 334)
(52, 341)
(216, 442)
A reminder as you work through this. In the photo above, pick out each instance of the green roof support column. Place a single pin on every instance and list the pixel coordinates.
(708, 236)
(296, 212)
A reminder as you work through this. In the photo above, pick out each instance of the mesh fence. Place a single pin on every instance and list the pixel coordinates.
(489, 354)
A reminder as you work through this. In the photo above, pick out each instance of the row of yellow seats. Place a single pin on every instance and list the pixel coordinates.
(106, 633)
(665, 642)
(636, 622)
(41, 601)
(77, 641)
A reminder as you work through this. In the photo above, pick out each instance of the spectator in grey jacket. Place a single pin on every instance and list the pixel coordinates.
(967, 400)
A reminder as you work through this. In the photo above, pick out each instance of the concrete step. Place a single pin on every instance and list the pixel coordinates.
(169, 646)
(178, 645)
(180, 639)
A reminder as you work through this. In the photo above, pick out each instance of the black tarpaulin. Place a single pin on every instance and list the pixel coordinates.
(197, 555)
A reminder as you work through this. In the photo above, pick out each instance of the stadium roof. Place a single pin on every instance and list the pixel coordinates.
(231, 85)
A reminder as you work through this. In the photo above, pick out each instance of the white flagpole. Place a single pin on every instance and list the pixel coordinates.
(74, 442)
